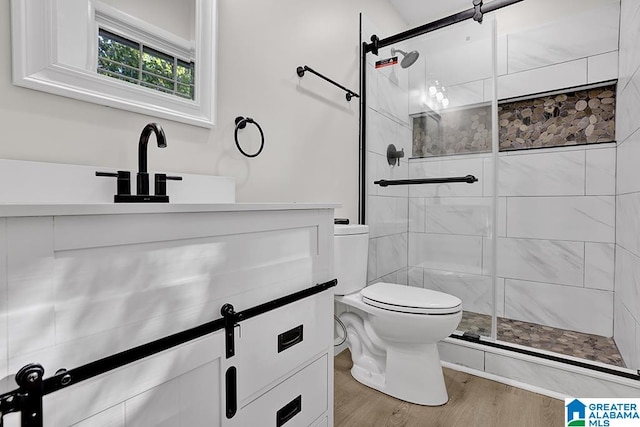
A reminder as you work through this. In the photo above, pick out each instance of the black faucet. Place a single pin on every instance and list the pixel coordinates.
(142, 186)
(142, 183)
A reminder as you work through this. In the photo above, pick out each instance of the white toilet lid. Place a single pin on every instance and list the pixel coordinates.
(408, 299)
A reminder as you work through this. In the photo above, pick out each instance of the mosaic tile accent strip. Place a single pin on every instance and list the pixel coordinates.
(570, 343)
(456, 132)
(570, 118)
(582, 117)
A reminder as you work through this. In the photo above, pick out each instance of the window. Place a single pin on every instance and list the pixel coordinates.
(137, 63)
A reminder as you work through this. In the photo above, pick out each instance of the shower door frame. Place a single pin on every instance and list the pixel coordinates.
(372, 47)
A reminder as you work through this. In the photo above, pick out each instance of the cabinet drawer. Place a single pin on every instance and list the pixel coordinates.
(271, 345)
(296, 402)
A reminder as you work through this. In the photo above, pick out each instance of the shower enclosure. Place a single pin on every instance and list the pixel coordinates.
(529, 246)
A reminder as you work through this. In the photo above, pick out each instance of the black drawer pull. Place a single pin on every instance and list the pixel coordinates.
(289, 338)
(289, 411)
(231, 391)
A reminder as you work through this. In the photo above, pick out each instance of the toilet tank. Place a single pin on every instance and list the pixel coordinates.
(351, 250)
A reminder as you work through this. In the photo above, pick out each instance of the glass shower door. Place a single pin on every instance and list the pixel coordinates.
(451, 225)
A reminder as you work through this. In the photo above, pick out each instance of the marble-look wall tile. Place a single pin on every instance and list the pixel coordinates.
(462, 254)
(589, 218)
(628, 109)
(627, 275)
(601, 172)
(388, 278)
(487, 175)
(599, 265)
(566, 307)
(475, 291)
(624, 333)
(628, 155)
(383, 216)
(417, 214)
(402, 209)
(465, 94)
(447, 167)
(602, 67)
(546, 174)
(393, 100)
(628, 222)
(416, 277)
(564, 381)
(372, 174)
(544, 79)
(565, 38)
(502, 217)
(381, 131)
(391, 253)
(402, 277)
(549, 261)
(372, 261)
(629, 36)
(448, 215)
(385, 171)
(500, 296)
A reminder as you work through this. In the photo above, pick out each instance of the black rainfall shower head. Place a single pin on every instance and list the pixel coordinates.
(409, 58)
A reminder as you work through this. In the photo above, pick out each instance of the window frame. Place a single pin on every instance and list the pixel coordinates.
(38, 42)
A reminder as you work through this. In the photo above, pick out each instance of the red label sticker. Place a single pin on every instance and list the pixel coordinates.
(386, 62)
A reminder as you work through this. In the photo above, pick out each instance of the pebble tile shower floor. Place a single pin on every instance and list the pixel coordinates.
(570, 343)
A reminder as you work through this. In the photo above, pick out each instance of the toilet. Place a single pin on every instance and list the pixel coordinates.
(392, 330)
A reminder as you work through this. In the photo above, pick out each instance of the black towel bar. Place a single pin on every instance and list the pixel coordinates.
(350, 94)
(469, 179)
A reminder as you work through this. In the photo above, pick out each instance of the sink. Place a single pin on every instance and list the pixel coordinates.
(27, 182)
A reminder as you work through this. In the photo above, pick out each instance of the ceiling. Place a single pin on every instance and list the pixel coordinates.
(418, 12)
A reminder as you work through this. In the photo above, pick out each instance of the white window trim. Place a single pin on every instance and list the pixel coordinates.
(35, 65)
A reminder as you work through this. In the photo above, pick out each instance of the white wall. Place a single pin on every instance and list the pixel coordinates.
(311, 149)
(627, 283)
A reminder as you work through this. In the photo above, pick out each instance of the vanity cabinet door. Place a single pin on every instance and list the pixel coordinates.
(272, 345)
(298, 401)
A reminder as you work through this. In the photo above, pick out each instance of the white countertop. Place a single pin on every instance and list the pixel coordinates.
(23, 210)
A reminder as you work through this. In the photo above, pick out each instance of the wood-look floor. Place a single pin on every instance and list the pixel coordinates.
(473, 401)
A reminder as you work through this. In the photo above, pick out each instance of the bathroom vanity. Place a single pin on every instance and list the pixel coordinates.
(81, 282)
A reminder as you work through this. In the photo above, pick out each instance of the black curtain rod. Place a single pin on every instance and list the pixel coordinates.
(377, 43)
(469, 179)
(350, 94)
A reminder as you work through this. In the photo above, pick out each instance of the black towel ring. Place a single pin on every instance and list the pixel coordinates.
(241, 123)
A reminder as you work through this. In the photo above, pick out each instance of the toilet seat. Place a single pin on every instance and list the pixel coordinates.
(408, 299)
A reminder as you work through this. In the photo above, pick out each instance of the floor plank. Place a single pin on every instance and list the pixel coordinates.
(473, 401)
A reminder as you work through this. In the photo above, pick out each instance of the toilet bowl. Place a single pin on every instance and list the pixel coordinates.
(392, 330)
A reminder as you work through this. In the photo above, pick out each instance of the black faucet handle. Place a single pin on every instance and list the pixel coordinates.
(124, 181)
(160, 183)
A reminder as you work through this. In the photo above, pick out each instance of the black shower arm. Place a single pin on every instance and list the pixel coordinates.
(469, 179)
(350, 93)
